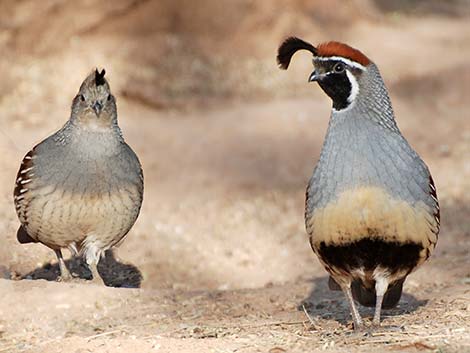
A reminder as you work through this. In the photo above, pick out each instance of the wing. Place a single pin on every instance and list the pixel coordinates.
(21, 192)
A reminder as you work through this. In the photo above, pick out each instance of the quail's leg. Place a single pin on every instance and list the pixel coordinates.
(92, 259)
(358, 325)
(94, 271)
(64, 272)
(381, 285)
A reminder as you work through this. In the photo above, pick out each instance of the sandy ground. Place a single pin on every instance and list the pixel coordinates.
(218, 260)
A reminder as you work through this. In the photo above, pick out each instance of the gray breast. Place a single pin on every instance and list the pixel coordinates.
(83, 188)
(94, 164)
(361, 152)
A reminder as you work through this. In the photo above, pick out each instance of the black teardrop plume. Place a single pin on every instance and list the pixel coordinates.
(99, 77)
(289, 47)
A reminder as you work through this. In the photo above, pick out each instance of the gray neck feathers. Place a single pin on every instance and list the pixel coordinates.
(105, 141)
(372, 101)
(86, 160)
(363, 146)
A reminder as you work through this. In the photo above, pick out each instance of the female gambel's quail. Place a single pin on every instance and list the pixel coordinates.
(82, 187)
(371, 211)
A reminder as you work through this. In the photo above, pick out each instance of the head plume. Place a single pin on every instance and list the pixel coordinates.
(99, 77)
(289, 47)
(328, 49)
(95, 80)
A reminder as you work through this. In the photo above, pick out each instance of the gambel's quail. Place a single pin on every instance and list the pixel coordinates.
(82, 187)
(371, 211)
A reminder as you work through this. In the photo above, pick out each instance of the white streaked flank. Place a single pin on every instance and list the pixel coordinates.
(26, 170)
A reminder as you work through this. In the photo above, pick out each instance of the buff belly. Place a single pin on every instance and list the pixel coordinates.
(365, 232)
(60, 219)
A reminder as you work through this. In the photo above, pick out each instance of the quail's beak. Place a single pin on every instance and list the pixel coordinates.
(97, 107)
(316, 76)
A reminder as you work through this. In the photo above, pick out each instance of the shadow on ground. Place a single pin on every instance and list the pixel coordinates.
(332, 305)
(113, 272)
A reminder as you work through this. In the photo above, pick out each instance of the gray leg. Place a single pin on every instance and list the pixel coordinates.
(64, 272)
(381, 285)
(358, 325)
(92, 259)
(346, 288)
(94, 271)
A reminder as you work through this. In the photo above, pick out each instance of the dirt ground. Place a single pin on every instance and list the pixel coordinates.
(218, 260)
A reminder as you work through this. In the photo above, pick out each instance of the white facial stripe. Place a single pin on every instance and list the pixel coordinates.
(344, 60)
(354, 87)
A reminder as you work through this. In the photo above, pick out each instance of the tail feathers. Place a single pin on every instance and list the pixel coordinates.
(366, 296)
(23, 237)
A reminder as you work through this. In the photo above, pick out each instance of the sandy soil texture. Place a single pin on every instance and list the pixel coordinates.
(218, 260)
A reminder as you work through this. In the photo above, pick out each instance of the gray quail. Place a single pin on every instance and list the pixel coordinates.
(372, 212)
(82, 187)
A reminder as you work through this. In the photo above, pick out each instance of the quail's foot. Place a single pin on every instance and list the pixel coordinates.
(97, 279)
(65, 275)
(359, 333)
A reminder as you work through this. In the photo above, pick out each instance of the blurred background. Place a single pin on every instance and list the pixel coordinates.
(228, 142)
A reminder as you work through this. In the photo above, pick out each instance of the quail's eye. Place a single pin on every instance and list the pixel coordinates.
(82, 97)
(339, 67)
(109, 98)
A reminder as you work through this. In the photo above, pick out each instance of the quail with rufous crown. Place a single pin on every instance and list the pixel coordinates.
(372, 213)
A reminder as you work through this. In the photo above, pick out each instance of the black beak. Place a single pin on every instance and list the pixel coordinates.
(313, 77)
(97, 107)
(316, 76)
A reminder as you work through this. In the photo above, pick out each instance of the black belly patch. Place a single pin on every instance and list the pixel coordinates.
(370, 253)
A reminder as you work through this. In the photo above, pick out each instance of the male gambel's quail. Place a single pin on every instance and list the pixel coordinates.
(371, 211)
(82, 187)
